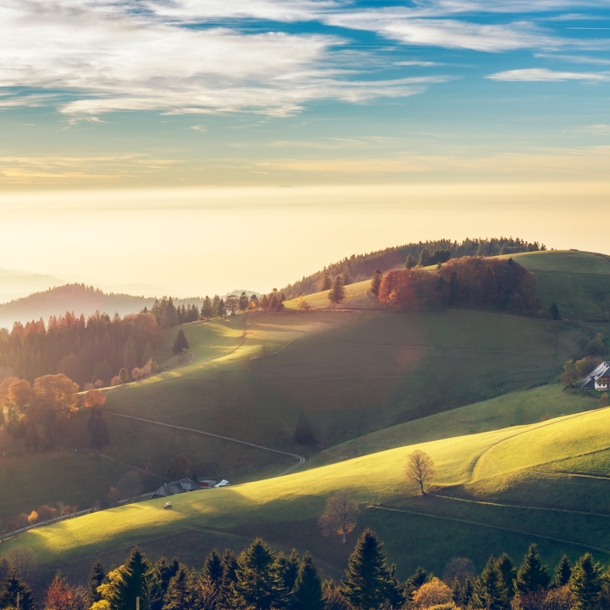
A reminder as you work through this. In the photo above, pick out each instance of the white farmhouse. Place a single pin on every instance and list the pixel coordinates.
(598, 379)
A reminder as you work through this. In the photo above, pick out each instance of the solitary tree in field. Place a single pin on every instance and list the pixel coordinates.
(337, 292)
(554, 311)
(180, 344)
(410, 262)
(340, 516)
(420, 469)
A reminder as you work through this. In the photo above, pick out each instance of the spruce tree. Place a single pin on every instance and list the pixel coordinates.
(586, 584)
(182, 591)
(490, 590)
(376, 282)
(509, 573)
(258, 583)
(162, 575)
(229, 576)
(337, 292)
(213, 569)
(288, 569)
(96, 578)
(207, 310)
(424, 258)
(307, 593)
(532, 575)
(130, 582)
(563, 571)
(14, 587)
(467, 592)
(180, 344)
(221, 310)
(410, 262)
(456, 592)
(414, 582)
(368, 581)
(326, 282)
(97, 429)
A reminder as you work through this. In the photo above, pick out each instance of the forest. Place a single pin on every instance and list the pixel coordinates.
(361, 267)
(467, 282)
(261, 578)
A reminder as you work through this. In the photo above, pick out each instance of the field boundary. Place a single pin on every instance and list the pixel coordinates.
(300, 458)
(489, 526)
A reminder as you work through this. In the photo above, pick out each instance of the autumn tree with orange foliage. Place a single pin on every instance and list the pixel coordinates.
(63, 596)
(94, 399)
(468, 282)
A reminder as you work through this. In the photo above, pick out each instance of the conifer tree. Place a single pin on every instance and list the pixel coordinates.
(182, 591)
(97, 428)
(243, 301)
(180, 344)
(96, 578)
(376, 282)
(532, 575)
(410, 262)
(307, 594)
(424, 258)
(288, 569)
(213, 569)
(258, 583)
(586, 584)
(229, 576)
(221, 310)
(216, 305)
(207, 309)
(467, 592)
(130, 582)
(162, 575)
(14, 588)
(456, 592)
(563, 571)
(490, 590)
(509, 573)
(337, 292)
(368, 580)
(414, 582)
(326, 282)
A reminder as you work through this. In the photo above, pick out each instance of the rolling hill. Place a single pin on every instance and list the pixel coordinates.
(578, 282)
(544, 482)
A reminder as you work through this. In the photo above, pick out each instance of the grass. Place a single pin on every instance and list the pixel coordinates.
(578, 282)
(509, 466)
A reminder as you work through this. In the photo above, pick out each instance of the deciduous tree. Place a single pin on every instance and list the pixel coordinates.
(340, 516)
(419, 469)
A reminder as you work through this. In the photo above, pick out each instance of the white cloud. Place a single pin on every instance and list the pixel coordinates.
(108, 59)
(549, 76)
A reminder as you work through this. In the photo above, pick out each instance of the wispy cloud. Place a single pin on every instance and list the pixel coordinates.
(549, 76)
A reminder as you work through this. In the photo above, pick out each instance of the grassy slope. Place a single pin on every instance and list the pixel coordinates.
(579, 282)
(512, 409)
(473, 468)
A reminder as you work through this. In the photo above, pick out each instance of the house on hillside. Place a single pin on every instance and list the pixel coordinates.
(177, 487)
(598, 379)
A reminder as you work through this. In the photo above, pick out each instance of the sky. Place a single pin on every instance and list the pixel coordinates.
(203, 145)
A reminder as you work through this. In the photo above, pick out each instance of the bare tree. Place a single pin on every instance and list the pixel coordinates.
(419, 469)
(340, 516)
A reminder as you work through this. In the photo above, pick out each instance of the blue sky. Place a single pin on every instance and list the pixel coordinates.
(133, 93)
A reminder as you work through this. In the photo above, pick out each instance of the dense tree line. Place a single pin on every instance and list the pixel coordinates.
(467, 282)
(86, 351)
(362, 266)
(260, 578)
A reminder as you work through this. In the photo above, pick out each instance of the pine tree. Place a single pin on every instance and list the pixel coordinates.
(258, 583)
(586, 584)
(221, 310)
(456, 592)
(229, 577)
(307, 594)
(182, 591)
(368, 579)
(130, 582)
(216, 305)
(180, 344)
(509, 573)
(467, 592)
(376, 282)
(207, 309)
(424, 258)
(563, 571)
(337, 292)
(213, 569)
(326, 283)
(490, 590)
(163, 573)
(14, 587)
(288, 569)
(532, 575)
(414, 582)
(96, 578)
(410, 262)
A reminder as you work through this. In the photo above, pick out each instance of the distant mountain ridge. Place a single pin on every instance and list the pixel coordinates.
(77, 298)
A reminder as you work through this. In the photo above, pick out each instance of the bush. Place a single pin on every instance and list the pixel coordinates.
(116, 380)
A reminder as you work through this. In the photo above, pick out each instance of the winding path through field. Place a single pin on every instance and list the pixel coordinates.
(300, 458)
